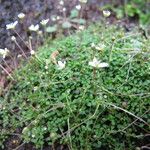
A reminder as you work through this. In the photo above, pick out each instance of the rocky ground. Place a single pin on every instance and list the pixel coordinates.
(38, 10)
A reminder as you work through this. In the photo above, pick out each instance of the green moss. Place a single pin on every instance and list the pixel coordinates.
(74, 107)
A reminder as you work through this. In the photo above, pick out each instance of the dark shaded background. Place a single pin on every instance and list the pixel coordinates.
(35, 11)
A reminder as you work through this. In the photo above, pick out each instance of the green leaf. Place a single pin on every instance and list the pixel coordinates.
(51, 29)
(74, 13)
(66, 25)
(80, 21)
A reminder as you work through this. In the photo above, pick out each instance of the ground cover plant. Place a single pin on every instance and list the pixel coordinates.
(86, 91)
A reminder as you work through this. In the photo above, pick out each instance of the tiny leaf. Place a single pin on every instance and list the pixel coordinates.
(80, 21)
(74, 13)
(51, 29)
(66, 25)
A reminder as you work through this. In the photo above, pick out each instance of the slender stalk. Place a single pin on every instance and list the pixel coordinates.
(6, 64)
(64, 14)
(134, 121)
(43, 114)
(7, 72)
(126, 111)
(19, 146)
(69, 134)
(14, 61)
(94, 80)
(37, 40)
(21, 39)
(30, 43)
(111, 49)
(21, 49)
(82, 9)
(91, 117)
(125, 10)
(44, 33)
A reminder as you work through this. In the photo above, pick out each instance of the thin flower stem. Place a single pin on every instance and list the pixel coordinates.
(63, 135)
(7, 72)
(22, 39)
(44, 33)
(91, 117)
(111, 50)
(30, 43)
(37, 40)
(21, 49)
(94, 73)
(53, 147)
(69, 32)
(7, 64)
(94, 79)
(20, 146)
(43, 114)
(64, 14)
(126, 111)
(14, 61)
(69, 134)
(38, 59)
(134, 121)
(82, 9)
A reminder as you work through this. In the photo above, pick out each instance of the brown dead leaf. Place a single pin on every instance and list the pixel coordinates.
(54, 56)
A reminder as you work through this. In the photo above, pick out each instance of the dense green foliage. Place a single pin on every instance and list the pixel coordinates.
(138, 9)
(75, 106)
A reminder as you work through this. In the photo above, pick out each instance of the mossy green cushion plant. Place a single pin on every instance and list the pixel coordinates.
(77, 104)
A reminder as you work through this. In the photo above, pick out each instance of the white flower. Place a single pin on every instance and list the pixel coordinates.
(53, 18)
(44, 22)
(40, 32)
(44, 128)
(32, 52)
(4, 52)
(11, 25)
(105, 96)
(81, 27)
(30, 37)
(46, 67)
(34, 27)
(35, 121)
(100, 47)
(24, 129)
(57, 17)
(21, 15)
(106, 13)
(83, 1)
(33, 136)
(19, 56)
(93, 45)
(13, 38)
(103, 65)
(64, 9)
(78, 7)
(97, 64)
(61, 65)
(35, 88)
(61, 2)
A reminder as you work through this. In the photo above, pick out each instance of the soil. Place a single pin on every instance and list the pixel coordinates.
(35, 11)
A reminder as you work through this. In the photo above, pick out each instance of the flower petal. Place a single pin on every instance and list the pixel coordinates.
(103, 65)
(91, 64)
